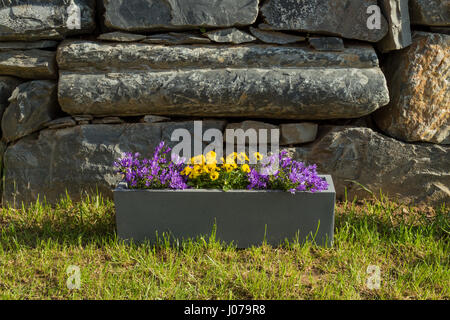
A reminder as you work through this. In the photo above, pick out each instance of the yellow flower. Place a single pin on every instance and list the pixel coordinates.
(198, 169)
(200, 159)
(231, 157)
(187, 171)
(242, 157)
(211, 157)
(258, 156)
(245, 168)
(228, 167)
(214, 176)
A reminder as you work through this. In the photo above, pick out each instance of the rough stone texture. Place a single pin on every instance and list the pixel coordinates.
(26, 45)
(344, 18)
(255, 80)
(7, 86)
(275, 37)
(61, 123)
(28, 64)
(78, 159)
(121, 37)
(430, 12)
(147, 15)
(94, 56)
(304, 93)
(176, 38)
(418, 80)
(32, 105)
(36, 19)
(410, 172)
(230, 35)
(327, 43)
(296, 133)
(399, 32)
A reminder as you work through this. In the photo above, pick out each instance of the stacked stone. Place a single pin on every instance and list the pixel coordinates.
(75, 95)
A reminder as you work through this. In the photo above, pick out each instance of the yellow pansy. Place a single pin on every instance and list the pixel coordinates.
(200, 159)
(187, 171)
(211, 157)
(214, 176)
(258, 156)
(242, 157)
(228, 167)
(245, 168)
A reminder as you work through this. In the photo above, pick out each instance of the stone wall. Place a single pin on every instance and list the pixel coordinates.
(82, 81)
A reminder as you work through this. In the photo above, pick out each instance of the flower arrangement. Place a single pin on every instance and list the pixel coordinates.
(234, 172)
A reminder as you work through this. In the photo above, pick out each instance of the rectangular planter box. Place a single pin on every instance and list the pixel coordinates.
(243, 217)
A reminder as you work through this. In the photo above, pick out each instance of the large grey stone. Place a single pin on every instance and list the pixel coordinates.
(418, 80)
(32, 105)
(147, 15)
(79, 159)
(430, 12)
(93, 57)
(303, 93)
(246, 126)
(399, 32)
(297, 133)
(28, 64)
(37, 19)
(344, 18)
(261, 80)
(7, 86)
(360, 156)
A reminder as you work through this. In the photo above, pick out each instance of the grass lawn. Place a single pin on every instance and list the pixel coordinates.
(409, 245)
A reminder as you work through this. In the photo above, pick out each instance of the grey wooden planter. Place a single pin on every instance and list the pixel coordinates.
(243, 217)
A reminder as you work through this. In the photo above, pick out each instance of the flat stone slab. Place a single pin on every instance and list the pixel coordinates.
(148, 15)
(343, 18)
(91, 57)
(410, 173)
(265, 93)
(121, 37)
(174, 38)
(36, 19)
(28, 64)
(275, 37)
(254, 80)
(25, 45)
(430, 13)
(327, 43)
(230, 35)
(61, 123)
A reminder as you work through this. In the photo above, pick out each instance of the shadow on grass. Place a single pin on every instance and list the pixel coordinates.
(92, 221)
